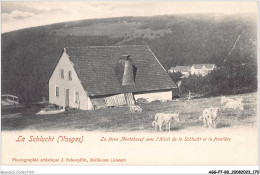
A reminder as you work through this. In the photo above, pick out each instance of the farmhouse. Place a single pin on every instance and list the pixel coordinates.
(185, 70)
(100, 76)
(202, 69)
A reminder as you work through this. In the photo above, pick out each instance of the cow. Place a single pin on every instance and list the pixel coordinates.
(205, 116)
(234, 105)
(210, 117)
(161, 119)
(135, 108)
(226, 100)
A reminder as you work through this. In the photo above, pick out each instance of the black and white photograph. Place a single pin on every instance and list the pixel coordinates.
(130, 83)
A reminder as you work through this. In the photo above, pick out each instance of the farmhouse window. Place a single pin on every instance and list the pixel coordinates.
(69, 76)
(77, 97)
(57, 91)
(62, 73)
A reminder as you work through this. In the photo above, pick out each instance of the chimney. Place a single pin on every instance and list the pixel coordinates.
(124, 70)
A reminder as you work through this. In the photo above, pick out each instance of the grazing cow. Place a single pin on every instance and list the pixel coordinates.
(161, 119)
(205, 116)
(210, 117)
(234, 105)
(226, 100)
(135, 108)
(214, 117)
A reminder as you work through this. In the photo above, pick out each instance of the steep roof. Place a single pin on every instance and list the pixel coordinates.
(95, 67)
(180, 68)
(199, 66)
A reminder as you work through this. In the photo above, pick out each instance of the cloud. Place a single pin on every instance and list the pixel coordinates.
(9, 7)
(49, 17)
(14, 15)
(17, 16)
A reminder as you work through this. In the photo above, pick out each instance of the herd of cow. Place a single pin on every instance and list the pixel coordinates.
(209, 115)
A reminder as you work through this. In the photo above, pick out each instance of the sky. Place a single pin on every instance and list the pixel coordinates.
(19, 15)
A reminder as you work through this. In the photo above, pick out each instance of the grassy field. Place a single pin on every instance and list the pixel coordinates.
(120, 119)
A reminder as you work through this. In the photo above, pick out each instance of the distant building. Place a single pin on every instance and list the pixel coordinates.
(197, 69)
(101, 76)
(202, 69)
(185, 70)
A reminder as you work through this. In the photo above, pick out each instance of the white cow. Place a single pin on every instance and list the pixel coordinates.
(161, 119)
(234, 105)
(135, 108)
(226, 100)
(210, 117)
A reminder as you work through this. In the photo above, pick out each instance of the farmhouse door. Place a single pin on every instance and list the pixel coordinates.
(67, 97)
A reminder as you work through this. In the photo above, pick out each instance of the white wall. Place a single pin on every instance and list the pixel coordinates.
(153, 96)
(204, 71)
(73, 85)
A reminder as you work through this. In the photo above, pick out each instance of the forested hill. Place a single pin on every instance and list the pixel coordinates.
(30, 55)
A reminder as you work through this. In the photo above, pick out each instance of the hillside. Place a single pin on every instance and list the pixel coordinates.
(30, 55)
